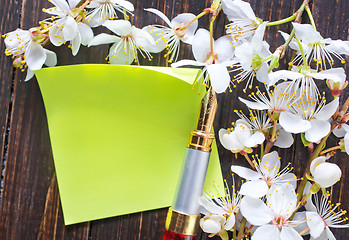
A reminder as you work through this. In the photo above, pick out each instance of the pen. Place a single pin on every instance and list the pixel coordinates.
(183, 216)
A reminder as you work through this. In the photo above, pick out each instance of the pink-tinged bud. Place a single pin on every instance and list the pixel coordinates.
(336, 87)
(17, 62)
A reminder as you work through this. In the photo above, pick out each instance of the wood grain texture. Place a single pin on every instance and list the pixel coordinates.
(30, 206)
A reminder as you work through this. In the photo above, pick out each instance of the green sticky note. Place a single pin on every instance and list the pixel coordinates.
(118, 136)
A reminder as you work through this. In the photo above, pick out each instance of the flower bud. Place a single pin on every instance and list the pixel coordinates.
(336, 87)
(17, 62)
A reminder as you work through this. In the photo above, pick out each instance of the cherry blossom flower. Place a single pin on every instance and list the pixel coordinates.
(244, 22)
(278, 100)
(309, 116)
(272, 217)
(125, 48)
(266, 176)
(222, 210)
(66, 28)
(317, 48)
(170, 37)
(241, 139)
(325, 174)
(103, 10)
(251, 59)
(25, 46)
(322, 216)
(215, 63)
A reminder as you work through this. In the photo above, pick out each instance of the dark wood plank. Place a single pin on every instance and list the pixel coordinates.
(9, 21)
(30, 198)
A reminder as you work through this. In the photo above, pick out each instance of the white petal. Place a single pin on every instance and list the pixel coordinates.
(346, 143)
(327, 174)
(256, 139)
(284, 74)
(300, 218)
(70, 29)
(219, 77)
(288, 233)
(316, 162)
(244, 54)
(293, 123)
(230, 222)
(328, 110)
(183, 19)
(339, 131)
(86, 33)
(254, 105)
(29, 76)
(119, 27)
(255, 211)
(238, 10)
(62, 5)
(56, 33)
(243, 131)
(226, 139)
(210, 226)
(262, 74)
(290, 178)
(160, 14)
(126, 4)
(73, 3)
(270, 164)
(255, 188)
(245, 173)
(266, 232)
(75, 43)
(282, 200)
(334, 74)
(339, 46)
(103, 38)
(187, 63)
(210, 206)
(201, 45)
(35, 56)
(306, 33)
(51, 58)
(257, 39)
(118, 54)
(159, 43)
(315, 223)
(284, 140)
(318, 130)
(223, 48)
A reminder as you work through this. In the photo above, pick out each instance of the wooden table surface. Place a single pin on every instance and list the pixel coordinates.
(29, 203)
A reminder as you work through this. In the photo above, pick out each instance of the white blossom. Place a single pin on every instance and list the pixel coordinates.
(103, 10)
(126, 46)
(215, 63)
(170, 36)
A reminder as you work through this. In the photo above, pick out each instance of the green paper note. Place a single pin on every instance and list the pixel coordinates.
(118, 136)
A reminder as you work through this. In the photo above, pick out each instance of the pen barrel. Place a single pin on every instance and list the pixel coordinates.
(191, 182)
(182, 222)
(183, 217)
